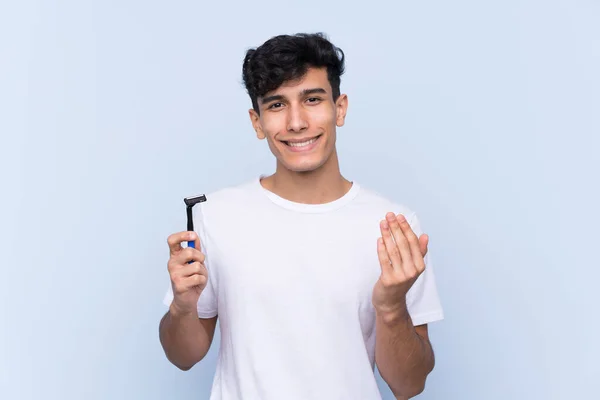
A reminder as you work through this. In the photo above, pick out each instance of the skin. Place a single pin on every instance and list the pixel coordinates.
(403, 352)
(185, 338)
(297, 111)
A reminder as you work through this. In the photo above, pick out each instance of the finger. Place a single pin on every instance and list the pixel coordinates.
(402, 243)
(412, 243)
(189, 254)
(176, 239)
(384, 260)
(197, 280)
(390, 246)
(185, 284)
(195, 268)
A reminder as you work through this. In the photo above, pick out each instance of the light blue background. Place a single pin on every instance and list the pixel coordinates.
(482, 116)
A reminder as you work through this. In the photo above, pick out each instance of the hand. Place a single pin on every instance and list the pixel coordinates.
(401, 256)
(187, 279)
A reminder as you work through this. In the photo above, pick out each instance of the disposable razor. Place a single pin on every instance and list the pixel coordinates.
(191, 202)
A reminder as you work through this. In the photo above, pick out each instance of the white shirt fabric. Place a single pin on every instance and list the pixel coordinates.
(292, 286)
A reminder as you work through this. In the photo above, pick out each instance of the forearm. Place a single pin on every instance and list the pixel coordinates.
(184, 339)
(403, 357)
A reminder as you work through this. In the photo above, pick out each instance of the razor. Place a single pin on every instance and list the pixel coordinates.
(191, 202)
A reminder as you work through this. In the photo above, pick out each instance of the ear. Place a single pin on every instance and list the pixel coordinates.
(341, 107)
(255, 120)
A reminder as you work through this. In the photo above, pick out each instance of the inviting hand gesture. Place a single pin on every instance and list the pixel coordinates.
(401, 256)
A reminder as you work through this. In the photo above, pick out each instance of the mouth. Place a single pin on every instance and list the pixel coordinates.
(303, 145)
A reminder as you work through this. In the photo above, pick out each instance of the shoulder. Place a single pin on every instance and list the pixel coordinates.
(373, 204)
(232, 194)
(229, 200)
(372, 201)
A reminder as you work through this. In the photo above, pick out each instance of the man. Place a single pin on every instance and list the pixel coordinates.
(314, 278)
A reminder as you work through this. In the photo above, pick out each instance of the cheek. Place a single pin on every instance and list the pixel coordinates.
(324, 118)
(323, 114)
(274, 124)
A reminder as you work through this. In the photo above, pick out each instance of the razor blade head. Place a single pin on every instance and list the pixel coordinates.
(191, 201)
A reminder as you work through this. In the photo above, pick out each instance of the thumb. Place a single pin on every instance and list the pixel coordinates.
(193, 240)
(197, 243)
(423, 243)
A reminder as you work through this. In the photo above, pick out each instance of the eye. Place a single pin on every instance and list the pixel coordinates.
(313, 99)
(275, 105)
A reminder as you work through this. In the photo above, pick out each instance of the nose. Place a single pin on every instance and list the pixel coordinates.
(297, 121)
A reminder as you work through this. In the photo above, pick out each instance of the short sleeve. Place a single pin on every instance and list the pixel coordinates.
(207, 303)
(423, 300)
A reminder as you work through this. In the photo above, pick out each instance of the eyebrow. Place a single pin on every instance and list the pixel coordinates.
(305, 92)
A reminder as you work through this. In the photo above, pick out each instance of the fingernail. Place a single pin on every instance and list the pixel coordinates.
(385, 224)
(401, 218)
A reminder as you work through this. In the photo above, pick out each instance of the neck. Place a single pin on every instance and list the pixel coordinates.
(323, 185)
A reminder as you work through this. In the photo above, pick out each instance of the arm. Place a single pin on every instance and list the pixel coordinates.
(403, 354)
(185, 338)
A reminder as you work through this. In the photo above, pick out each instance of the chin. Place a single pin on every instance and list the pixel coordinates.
(304, 165)
(302, 169)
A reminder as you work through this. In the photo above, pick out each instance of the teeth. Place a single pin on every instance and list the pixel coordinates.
(302, 144)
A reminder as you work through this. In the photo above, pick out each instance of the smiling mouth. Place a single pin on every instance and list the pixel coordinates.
(300, 145)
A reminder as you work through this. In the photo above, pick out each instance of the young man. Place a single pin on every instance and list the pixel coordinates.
(314, 278)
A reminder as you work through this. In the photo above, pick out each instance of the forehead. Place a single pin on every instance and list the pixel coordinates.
(313, 79)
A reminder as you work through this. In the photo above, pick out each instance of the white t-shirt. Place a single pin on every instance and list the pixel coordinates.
(292, 285)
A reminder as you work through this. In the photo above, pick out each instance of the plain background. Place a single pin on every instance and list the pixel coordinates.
(483, 116)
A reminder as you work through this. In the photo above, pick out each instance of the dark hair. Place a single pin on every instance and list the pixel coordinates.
(287, 57)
